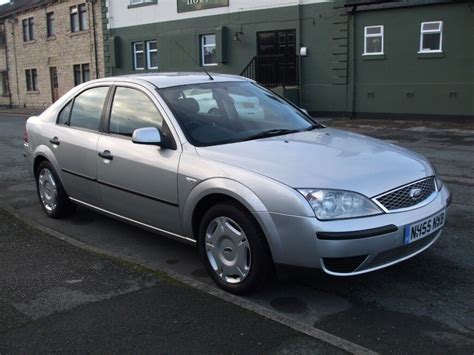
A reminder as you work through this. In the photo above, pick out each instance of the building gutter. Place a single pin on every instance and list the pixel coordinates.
(393, 4)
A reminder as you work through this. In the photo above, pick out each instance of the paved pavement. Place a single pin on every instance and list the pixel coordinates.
(422, 305)
(58, 298)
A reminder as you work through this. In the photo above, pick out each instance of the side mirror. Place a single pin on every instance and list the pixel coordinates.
(147, 135)
(305, 111)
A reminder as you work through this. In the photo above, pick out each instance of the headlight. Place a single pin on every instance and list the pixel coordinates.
(335, 204)
(439, 183)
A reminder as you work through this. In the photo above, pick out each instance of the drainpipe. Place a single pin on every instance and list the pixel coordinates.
(12, 21)
(352, 76)
(299, 56)
(94, 33)
(7, 66)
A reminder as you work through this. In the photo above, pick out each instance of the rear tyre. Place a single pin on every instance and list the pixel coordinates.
(53, 198)
(234, 249)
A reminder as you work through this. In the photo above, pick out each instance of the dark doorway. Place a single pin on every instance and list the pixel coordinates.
(53, 74)
(276, 58)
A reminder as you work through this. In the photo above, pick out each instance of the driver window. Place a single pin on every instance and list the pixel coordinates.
(133, 109)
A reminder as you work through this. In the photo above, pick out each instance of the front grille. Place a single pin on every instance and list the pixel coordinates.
(401, 251)
(344, 265)
(401, 197)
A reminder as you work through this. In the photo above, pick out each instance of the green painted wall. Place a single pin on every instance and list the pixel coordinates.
(335, 78)
(407, 82)
(318, 94)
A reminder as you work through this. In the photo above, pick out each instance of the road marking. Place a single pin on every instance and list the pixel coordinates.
(316, 333)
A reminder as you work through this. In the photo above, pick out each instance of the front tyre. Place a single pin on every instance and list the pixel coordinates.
(52, 196)
(234, 248)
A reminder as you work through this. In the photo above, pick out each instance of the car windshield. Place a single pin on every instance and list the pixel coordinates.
(229, 112)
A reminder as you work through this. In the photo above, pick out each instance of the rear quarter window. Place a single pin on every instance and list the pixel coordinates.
(63, 117)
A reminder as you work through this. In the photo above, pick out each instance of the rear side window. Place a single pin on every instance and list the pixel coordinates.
(63, 117)
(87, 109)
(133, 109)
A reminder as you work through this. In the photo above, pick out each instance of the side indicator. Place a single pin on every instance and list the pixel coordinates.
(190, 180)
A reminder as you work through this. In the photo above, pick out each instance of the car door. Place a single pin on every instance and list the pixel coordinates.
(74, 143)
(138, 181)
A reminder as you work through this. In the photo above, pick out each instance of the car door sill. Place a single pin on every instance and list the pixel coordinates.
(141, 224)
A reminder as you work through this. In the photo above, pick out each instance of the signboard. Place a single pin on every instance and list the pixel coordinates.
(193, 5)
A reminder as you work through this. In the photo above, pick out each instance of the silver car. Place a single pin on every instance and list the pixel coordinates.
(249, 192)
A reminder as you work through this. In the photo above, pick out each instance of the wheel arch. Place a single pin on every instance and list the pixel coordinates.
(38, 160)
(44, 153)
(212, 191)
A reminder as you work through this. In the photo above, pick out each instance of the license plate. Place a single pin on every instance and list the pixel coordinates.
(421, 229)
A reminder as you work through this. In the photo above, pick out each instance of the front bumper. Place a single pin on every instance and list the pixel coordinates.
(358, 248)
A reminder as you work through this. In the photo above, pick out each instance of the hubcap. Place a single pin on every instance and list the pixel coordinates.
(228, 250)
(47, 189)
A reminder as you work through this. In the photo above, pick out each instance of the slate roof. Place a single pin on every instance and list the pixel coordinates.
(15, 6)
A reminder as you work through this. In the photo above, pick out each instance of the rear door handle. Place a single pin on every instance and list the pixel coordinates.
(54, 141)
(106, 155)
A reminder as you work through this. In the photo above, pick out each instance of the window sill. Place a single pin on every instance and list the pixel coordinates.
(378, 56)
(29, 42)
(148, 3)
(51, 38)
(78, 33)
(430, 55)
(35, 92)
(144, 71)
(210, 65)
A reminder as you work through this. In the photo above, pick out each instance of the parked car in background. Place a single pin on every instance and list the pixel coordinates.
(254, 183)
(247, 107)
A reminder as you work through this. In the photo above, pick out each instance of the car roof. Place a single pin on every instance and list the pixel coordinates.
(164, 80)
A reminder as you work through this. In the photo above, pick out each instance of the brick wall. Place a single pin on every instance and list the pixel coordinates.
(62, 51)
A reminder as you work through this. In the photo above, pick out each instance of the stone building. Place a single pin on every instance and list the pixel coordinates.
(46, 48)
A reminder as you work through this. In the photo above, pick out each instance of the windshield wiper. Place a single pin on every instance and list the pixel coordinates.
(313, 126)
(271, 133)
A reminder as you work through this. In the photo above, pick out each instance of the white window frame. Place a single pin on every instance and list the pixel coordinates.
(138, 2)
(366, 35)
(148, 53)
(135, 52)
(440, 31)
(201, 38)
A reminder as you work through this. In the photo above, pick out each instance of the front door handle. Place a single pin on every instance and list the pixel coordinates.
(54, 141)
(106, 155)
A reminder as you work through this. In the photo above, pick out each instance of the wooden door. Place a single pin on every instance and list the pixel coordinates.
(276, 58)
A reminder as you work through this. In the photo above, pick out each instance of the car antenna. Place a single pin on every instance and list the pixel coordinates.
(194, 60)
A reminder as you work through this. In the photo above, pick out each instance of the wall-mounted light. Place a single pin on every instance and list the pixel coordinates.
(238, 34)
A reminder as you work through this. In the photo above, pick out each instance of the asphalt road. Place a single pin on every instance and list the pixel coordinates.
(58, 298)
(424, 305)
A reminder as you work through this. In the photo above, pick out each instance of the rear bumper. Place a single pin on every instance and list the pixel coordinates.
(29, 156)
(353, 246)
